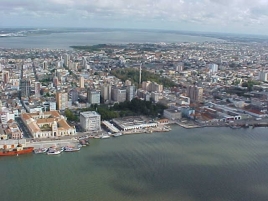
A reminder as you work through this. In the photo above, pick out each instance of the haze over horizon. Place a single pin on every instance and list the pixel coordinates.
(232, 16)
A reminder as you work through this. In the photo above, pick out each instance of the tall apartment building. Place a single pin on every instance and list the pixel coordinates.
(119, 95)
(195, 93)
(74, 95)
(25, 87)
(66, 59)
(263, 76)
(106, 93)
(62, 100)
(82, 82)
(93, 96)
(213, 68)
(90, 121)
(155, 96)
(45, 65)
(55, 81)
(152, 86)
(179, 67)
(37, 88)
(130, 92)
(5, 78)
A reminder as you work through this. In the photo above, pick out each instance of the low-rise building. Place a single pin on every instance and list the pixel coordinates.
(47, 124)
(173, 114)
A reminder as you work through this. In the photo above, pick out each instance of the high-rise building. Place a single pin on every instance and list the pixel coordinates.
(180, 67)
(195, 93)
(156, 87)
(66, 58)
(25, 87)
(119, 95)
(81, 82)
(213, 68)
(152, 86)
(90, 121)
(93, 96)
(263, 76)
(155, 96)
(37, 88)
(74, 94)
(130, 92)
(55, 81)
(5, 75)
(45, 65)
(106, 93)
(62, 100)
(146, 85)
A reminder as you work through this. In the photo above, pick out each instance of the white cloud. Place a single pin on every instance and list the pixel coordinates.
(225, 13)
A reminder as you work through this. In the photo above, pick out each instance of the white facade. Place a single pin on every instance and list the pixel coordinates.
(213, 68)
(172, 114)
(52, 106)
(263, 76)
(5, 116)
(90, 121)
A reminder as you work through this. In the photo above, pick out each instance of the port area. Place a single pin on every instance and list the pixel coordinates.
(159, 128)
(52, 143)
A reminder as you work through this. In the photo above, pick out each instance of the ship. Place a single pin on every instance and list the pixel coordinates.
(19, 150)
(71, 149)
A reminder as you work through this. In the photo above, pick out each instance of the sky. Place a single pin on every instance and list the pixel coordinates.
(232, 16)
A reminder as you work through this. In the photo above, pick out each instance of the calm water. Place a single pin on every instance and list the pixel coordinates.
(64, 40)
(190, 165)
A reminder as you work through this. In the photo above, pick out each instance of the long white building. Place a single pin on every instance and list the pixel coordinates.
(90, 121)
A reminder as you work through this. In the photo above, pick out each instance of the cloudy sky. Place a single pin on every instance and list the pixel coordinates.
(237, 16)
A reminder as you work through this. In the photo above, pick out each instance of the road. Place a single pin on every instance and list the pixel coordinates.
(23, 127)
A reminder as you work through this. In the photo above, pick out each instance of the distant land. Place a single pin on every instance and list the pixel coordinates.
(25, 32)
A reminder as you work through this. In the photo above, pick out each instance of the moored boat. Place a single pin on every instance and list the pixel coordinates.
(40, 150)
(105, 136)
(71, 149)
(16, 151)
(52, 151)
(116, 134)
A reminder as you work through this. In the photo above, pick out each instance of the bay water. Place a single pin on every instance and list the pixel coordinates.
(65, 40)
(206, 164)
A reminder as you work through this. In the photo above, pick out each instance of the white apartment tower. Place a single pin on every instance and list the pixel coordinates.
(90, 121)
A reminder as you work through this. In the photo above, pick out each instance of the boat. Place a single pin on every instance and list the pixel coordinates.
(235, 126)
(116, 134)
(97, 137)
(52, 151)
(84, 142)
(71, 149)
(40, 150)
(19, 150)
(105, 136)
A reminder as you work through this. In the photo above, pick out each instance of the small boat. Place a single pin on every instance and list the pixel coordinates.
(84, 142)
(116, 134)
(235, 126)
(105, 136)
(97, 137)
(40, 150)
(71, 149)
(52, 151)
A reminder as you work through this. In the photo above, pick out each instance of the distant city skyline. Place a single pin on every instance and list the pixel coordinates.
(232, 16)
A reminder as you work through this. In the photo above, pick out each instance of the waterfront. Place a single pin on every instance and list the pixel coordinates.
(64, 40)
(204, 164)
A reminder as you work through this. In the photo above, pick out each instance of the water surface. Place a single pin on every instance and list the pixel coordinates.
(192, 165)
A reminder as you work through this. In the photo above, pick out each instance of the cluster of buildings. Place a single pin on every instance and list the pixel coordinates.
(213, 81)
